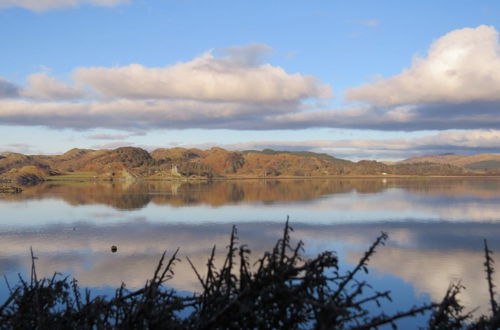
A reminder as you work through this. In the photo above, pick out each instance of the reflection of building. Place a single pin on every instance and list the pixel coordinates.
(175, 187)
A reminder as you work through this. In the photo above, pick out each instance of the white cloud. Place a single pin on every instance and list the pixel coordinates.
(235, 91)
(235, 78)
(136, 114)
(462, 66)
(468, 139)
(41, 86)
(454, 87)
(208, 91)
(43, 5)
(407, 117)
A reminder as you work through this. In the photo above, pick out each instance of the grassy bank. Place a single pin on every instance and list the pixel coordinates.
(73, 176)
(281, 290)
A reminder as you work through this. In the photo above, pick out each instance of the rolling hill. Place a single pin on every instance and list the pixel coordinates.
(480, 163)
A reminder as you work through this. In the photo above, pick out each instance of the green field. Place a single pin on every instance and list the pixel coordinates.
(74, 176)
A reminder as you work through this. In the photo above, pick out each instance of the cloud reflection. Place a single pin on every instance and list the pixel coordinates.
(426, 255)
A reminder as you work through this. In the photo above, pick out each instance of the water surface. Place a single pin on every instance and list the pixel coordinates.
(436, 228)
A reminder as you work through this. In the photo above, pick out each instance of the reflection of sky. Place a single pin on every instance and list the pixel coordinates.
(435, 237)
(391, 204)
(418, 262)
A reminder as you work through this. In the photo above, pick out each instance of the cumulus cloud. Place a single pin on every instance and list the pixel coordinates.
(236, 90)
(43, 5)
(137, 114)
(131, 114)
(407, 117)
(235, 78)
(462, 66)
(41, 86)
(8, 89)
(456, 86)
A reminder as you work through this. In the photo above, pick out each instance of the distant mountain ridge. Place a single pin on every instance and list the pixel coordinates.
(479, 162)
(130, 163)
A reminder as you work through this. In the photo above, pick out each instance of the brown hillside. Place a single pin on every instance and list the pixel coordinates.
(72, 160)
(26, 175)
(440, 159)
(223, 161)
(130, 163)
(265, 165)
(176, 154)
(12, 160)
(466, 161)
(119, 159)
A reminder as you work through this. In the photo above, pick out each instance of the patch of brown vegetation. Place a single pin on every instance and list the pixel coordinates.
(26, 175)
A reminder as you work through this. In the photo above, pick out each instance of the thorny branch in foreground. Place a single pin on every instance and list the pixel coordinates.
(281, 290)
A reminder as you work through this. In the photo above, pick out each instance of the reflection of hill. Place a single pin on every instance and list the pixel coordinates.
(135, 195)
(118, 195)
(265, 191)
(483, 188)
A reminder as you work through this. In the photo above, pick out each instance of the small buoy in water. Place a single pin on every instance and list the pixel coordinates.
(114, 248)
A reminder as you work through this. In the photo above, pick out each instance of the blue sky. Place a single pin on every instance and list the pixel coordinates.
(356, 79)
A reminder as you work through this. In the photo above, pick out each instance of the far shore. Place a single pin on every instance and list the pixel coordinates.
(83, 177)
(62, 178)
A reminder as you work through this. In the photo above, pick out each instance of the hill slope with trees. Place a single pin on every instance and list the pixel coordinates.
(182, 163)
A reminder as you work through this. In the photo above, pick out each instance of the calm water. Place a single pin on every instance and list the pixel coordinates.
(436, 228)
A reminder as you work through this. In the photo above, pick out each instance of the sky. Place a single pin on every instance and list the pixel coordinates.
(383, 80)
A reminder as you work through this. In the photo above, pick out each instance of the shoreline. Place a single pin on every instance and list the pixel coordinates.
(86, 177)
(195, 179)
